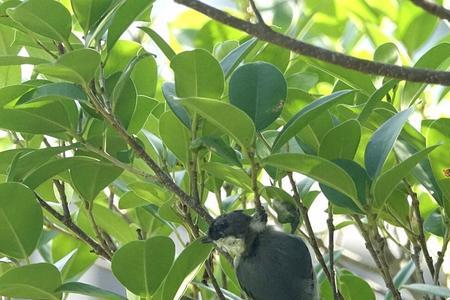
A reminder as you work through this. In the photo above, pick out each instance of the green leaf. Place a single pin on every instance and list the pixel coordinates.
(168, 90)
(229, 174)
(387, 53)
(88, 12)
(386, 183)
(218, 146)
(141, 266)
(197, 74)
(160, 42)
(428, 289)
(144, 107)
(375, 98)
(177, 143)
(151, 192)
(230, 62)
(436, 132)
(36, 281)
(12, 92)
(382, 141)
(435, 59)
(60, 90)
(12, 60)
(21, 219)
(322, 170)
(53, 168)
(48, 18)
(131, 200)
(78, 66)
(184, 269)
(226, 117)
(355, 288)
(306, 115)
(124, 98)
(341, 141)
(88, 290)
(89, 179)
(434, 224)
(259, 89)
(123, 17)
(402, 277)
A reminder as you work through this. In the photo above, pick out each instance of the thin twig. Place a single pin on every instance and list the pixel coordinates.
(433, 9)
(96, 228)
(97, 248)
(441, 256)
(257, 13)
(312, 238)
(331, 229)
(62, 195)
(265, 33)
(255, 187)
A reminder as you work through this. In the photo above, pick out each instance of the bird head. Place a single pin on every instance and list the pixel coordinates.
(230, 231)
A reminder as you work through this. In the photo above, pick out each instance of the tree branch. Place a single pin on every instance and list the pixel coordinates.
(331, 229)
(74, 228)
(265, 33)
(257, 13)
(433, 9)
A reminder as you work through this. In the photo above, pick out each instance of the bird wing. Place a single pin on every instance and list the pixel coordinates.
(279, 268)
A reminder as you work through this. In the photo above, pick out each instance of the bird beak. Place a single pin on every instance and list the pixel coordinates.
(206, 240)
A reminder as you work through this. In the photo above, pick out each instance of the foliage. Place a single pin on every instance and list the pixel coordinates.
(105, 156)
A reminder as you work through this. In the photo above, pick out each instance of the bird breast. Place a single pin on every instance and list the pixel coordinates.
(232, 245)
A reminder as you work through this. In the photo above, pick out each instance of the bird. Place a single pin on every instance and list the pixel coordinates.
(269, 264)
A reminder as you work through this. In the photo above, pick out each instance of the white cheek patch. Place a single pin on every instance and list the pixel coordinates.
(232, 245)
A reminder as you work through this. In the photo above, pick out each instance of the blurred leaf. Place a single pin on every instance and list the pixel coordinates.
(355, 288)
(88, 290)
(375, 99)
(259, 89)
(184, 269)
(22, 221)
(36, 281)
(48, 18)
(12, 60)
(402, 277)
(322, 170)
(387, 53)
(382, 141)
(141, 266)
(303, 117)
(428, 289)
(226, 117)
(434, 224)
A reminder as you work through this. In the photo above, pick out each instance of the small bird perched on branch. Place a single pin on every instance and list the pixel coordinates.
(270, 265)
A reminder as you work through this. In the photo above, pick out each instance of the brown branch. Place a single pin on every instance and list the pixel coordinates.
(265, 33)
(257, 13)
(254, 174)
(62, 195)
(433, 9)
(331, 229)
(312, 238)
(163, 177)
(441, 256)
(97, 248)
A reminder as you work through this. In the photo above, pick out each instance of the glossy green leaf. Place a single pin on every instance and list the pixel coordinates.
(197, 74)
(88, 12)
(428, 289)
(382, 141)
(48, 18)
(53, 168)
(230, 174)
(89, 179)
(375, 98)
(386, 183)
(355, 288)
(124, 97)
(144, 107)
(141, 266)
(232, 60)
(160, 42)
(184, 269)
(224, 116)
(36, 281)
(12, 60)
(342, 141)
(60, 90)
(145, 76)
(434, 224)
(387, 53)
(12, 92)
(322, 170)
(306, 115)
(168, 89)
(436, 59)
(123, 17)
(85, 289)
(22, 220)
(260, 90)
(179, 143)
(78, 66)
